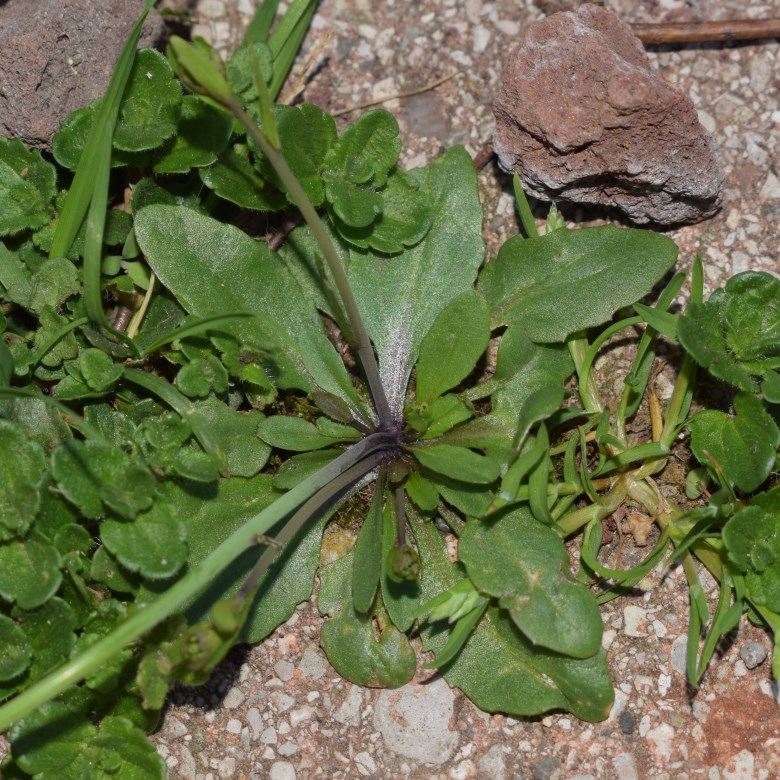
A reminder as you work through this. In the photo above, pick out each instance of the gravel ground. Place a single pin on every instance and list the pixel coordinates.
(278, 710)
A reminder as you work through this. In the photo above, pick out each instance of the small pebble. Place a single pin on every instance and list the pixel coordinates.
(233, 699)
(282, 770)
(753, 654)
(284, 670)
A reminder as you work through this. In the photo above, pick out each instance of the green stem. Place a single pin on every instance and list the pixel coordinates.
(588, 389)
(365, 351)
(143, 620)
(318, 503)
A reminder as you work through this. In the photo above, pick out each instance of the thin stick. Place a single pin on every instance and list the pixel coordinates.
(410, 93)
(699, 32)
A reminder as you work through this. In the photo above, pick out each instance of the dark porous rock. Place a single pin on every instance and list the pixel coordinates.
(583, 117)
(58, 56)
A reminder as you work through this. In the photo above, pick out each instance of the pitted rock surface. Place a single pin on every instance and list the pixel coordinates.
(582, 116)
(58, 56)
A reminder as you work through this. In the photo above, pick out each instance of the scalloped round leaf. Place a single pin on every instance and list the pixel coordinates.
(27, 188)
(22, 466)
(353, 206)
(589, 274)
(200, 376)
(242, 68)
(736, 334)
(307, 133)
(92, 473)
(98, 369)
(154, 544)
(235, 433)
(15, 649)
(752, 538)
(453, 345)
(203, 133)
(366, 151)
(52, 283)
(524, 564)
(405, 217)
(50, 647)
(68, 142)
(743, 446)
(350, 641)
(29, 571)
(50, 739)
(151, 104)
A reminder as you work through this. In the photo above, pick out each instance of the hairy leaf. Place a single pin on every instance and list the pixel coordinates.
(525, 566)
(358, 652)
(570, 280)
(736, 334)
(401, 296)
(743, 446)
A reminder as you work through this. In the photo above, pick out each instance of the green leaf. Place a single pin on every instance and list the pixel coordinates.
(15, 649)
(216, 268)
(458, 463)
(525, 566)
(298, 467)
(500, 670)
(400, 594)
(22, 464)
(367, 556)
(235, 434)
(358, 653)
(405, 217)
(445, 413)
(52, 283)
(450, 350)
(91, 474)
(307, 133)
(29, 571)
(241, 69)
(571, 280)
(14, 277)
(401, 296)
(233, 178)
(154, 544)
(51, 648)
(422, 491)
(58, 741)
(752, 538)
(202, 134)
(294, 433)
(743, 446)
(367, 150)
(27, 188)
(736, 334)
(151, 103)
(200, 376)
(98, 369)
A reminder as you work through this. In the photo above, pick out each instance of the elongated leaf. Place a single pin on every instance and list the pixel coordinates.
(500, 670)
(401, 296)
(349, 639)
(214, 268)
(367, 556)
(451, 348)
(294, 433)
(401, 597)
(458, 463)
(525, 565)
(570, 280)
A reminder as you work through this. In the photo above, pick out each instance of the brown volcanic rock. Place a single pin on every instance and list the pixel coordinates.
(582, 116)
(58, 56)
